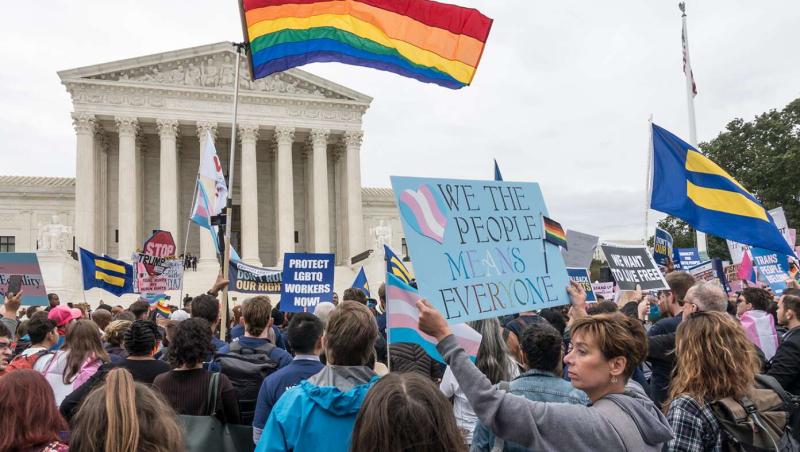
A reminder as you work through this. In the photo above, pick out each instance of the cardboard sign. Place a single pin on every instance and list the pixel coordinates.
(703, 272)
(307, 280)
(156, 249)
(603, 289)
(685, 258)
(478, 246)
(251, 279)
(581, 276)
(634, 265)
(581, 249)
(773, 267)
(662, 247)
(167, 275)
(26, 266)
(732, 276)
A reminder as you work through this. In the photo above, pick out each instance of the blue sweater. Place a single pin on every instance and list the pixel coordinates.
(276, 384)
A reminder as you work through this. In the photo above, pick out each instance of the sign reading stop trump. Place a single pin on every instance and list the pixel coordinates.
(155, 251)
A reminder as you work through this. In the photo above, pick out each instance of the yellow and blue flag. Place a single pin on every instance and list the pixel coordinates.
(361, 282)
(395, 266)
(688, 185)
(105, 273)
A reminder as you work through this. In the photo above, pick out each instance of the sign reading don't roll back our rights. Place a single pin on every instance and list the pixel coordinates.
(477, 246)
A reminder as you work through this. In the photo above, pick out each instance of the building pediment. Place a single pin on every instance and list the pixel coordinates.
(211, 68)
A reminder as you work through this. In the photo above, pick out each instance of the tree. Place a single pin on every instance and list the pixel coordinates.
(763, 155)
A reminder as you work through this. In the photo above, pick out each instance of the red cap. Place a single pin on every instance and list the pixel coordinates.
(62, 315)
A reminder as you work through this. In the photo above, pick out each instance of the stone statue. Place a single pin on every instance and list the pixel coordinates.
(210, 73)
(193, 75)
(228, 72)
(54, 236)
(383, 235)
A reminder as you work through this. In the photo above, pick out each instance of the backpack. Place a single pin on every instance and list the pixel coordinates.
(246, 368)
(760, 421)
(26, 362)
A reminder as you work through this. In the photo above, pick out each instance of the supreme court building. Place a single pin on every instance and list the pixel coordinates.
(140, 124)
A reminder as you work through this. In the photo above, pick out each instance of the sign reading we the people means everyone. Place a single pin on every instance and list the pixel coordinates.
(307, 281)
(634, 265)
(477, 246)
(244, 278)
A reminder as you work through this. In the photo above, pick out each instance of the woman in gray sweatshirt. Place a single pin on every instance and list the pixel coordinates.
(605, 350)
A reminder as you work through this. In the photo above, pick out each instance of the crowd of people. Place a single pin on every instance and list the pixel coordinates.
(647, 372)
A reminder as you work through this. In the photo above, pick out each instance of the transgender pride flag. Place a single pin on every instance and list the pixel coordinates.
(212, 191)
(402, 321)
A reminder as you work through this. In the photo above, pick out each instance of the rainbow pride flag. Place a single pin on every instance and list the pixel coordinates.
(402, 321)
(421, 39)
(554, 233)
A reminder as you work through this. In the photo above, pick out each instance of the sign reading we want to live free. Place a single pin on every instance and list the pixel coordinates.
(477, 246)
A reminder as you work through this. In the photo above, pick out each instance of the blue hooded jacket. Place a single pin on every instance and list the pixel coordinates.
(319, 413)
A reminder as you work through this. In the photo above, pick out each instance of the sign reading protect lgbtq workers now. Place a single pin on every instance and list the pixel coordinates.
(307, 281)
(477, 246)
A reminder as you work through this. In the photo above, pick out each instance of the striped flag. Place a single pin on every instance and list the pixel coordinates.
(554, 233)
(402, 322)
(746, 272)
(394, 266)
(212, 191)
(361, 282)
(497, 175)
(759, 326)
(103, 272)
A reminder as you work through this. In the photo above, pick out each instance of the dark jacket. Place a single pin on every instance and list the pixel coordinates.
(785, 365)
(661, 358)
(408, 357)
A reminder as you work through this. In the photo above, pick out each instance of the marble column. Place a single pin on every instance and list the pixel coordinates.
(248, 134)
(101, 217)
(319, 189)
(208, 249)
(284, 137)
(85, 178)
(128, 189)
(354, 220)
(168, 178)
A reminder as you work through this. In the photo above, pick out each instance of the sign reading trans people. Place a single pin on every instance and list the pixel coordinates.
(478, 248)
(307, 281)
(773, 267)
(632, 266)
(245, 278)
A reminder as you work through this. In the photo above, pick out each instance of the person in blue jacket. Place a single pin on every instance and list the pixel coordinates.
(319, 413)
(305, 337)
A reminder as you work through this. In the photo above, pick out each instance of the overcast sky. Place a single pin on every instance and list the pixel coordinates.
(562, 95)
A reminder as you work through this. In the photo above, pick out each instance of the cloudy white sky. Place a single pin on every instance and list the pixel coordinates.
(562, 95)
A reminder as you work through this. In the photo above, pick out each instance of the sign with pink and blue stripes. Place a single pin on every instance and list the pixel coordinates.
(478, 248)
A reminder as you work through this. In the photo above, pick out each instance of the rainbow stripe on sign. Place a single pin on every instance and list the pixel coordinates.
(554, 233)
(402, 322)
(429, 41)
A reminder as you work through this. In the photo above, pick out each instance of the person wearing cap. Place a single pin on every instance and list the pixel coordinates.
(62, 316)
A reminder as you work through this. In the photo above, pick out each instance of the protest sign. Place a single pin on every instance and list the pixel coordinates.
(168, 274)
(26, 267)
(779, 216)
(155, 251)
(634, 265)
(703, 272)
(245, 278)
(478, 248)
(581, 249)
(732, 276)
(773, 267)
(662, 246)
(581, 276)
(737, 251)
(307, 280)
(603, 289)
(686, 257)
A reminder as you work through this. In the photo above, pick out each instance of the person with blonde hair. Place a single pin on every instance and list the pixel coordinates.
(123, 416)
(715, 360)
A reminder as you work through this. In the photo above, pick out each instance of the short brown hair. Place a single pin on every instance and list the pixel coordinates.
(791, 303)
(256, 312)
(350, 335)
(354, 294)
(679, 284)
(616, 335)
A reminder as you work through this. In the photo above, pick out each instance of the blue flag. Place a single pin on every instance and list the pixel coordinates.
(361, 282)
(497, 175)
(106, 273)
(687, 185)
(395, 266)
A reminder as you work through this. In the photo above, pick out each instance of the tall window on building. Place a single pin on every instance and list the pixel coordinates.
(7, 243)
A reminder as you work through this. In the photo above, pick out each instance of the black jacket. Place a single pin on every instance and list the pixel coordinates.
(785, 365)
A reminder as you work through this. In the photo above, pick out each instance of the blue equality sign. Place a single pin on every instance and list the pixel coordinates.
(662, 247)
(478, 247)
(582, 277)
(307, 280)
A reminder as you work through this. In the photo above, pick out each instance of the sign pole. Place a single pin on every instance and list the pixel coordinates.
(648, 184)
(226, 258)
(186, 239)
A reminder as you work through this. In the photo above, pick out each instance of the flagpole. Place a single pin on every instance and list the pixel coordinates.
(648, 182)
(226, 258)
(186, 236)
(700, 237)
